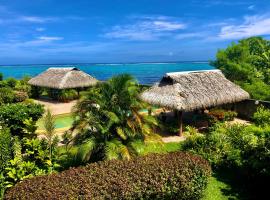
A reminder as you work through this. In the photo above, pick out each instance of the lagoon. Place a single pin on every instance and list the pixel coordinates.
(145, 73)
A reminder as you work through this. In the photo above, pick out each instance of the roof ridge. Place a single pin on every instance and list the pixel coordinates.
(64, 79)
(190, 72)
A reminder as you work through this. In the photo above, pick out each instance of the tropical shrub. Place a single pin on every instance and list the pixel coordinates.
(68, 95)
(10, 82)
(35, 91)
(242, 149)
(262, 116)
(168, 176)
(23, 86)
(218, 114)
(1, 76)
(14, 115)
(6, 95)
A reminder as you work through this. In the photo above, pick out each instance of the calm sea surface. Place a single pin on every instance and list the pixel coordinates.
(145, 73)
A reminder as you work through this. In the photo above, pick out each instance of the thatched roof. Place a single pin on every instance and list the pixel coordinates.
(187, 91)
(63, 78)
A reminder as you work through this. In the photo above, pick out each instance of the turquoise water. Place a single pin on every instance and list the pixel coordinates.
(66, 120)
(61, 121)
(145, 73)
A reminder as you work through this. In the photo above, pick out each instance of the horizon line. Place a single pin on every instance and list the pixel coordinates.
(106, 63)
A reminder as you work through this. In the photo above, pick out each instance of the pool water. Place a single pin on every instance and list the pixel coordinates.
(61, 121)
(66, 120)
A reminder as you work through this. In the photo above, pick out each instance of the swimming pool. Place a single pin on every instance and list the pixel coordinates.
(61, 121)
(65, 121)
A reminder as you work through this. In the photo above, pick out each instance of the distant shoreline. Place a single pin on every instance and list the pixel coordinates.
(113, 63)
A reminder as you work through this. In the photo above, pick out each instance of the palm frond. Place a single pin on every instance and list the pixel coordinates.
(85, 150)
(121, 133)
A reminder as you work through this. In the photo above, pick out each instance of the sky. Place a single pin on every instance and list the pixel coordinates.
(114, 31)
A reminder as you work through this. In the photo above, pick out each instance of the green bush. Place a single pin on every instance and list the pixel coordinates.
(35, 91)
(11, 82)
(68, 95)
(14, 115)
(262, 116)
(169, 176)
(242, 149)
(6, 95)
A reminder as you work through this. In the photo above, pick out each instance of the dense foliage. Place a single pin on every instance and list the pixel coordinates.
(5, 147)
(107, 119)
(245, 149)
(168, 176)
(14, 115)
(248, 64)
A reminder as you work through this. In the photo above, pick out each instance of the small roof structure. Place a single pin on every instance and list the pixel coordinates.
(63, 78)
(192, 90)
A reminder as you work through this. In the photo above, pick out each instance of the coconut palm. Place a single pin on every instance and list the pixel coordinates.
(107, 119)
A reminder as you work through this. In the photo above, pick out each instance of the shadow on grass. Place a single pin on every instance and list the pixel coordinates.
(234, 186)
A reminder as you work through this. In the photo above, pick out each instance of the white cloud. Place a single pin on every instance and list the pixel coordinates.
(189, 35)
(40, 29)
(37, 19)
(146, 28)
(252, 26)
(48, 39)
(251, 7)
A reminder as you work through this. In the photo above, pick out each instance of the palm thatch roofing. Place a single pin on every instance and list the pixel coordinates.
(187, 91)
(63, 78)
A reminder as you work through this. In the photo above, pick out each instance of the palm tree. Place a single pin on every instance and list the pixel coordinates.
(49, 125)
(107, 119)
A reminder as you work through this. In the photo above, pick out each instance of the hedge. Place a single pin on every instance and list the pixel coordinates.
(167, 176)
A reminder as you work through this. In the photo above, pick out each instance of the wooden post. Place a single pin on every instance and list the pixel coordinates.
(180, 120)
(149, 111)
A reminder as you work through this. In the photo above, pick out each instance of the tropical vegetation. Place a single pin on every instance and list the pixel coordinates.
(248, 64)
(108, 122)
(110, 135)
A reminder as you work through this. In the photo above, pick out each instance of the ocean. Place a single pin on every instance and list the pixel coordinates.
(145, 73)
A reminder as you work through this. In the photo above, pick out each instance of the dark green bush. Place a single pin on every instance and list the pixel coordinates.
(168, 176)
(68, 95)
(11, 82)
(14, 115)
(6, 95)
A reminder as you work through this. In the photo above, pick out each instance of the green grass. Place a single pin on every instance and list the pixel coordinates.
(214, 190)
(225, 185)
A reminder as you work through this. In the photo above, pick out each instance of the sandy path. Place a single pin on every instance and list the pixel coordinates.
(57, 108)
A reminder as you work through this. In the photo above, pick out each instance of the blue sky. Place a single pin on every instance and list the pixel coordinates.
(68, 31)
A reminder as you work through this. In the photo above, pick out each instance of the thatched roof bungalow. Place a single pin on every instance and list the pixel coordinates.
(193, 90)
(63, 78)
